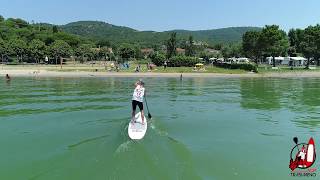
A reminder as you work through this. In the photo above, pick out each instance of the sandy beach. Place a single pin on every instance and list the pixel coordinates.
(52, 73)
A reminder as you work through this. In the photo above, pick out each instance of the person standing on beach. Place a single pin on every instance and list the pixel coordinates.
(165, 64)
(137, 99)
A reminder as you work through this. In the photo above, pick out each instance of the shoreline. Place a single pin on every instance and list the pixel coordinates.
(51, 73)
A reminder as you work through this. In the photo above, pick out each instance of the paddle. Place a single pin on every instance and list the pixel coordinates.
(149, 115)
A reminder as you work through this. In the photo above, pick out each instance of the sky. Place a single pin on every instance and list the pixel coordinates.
(162, 15)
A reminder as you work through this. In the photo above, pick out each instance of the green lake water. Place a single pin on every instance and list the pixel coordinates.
(202, 128)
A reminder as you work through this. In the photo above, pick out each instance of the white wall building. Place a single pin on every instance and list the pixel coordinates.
(289, 61)
(298, 61)
(242, 60)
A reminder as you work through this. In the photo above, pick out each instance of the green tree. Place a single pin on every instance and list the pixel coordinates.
(126, 51)
(273, 42)
(310, 44)
(37, 50)
(231, 50)
(181, 60)
(172, 45)
(218, 46)
(137, 51)
(250, 45)
(226, 52)
(292, 35)
(18, 23)
(4, 49)
(103, 43)
(59, 49)
(19, 48)
(158, 58)
(94, 54)
(45, 37)
(84, 50)
(295, 38)
(235, 50)
(190, 49)
(1, 18)
(55, 29)
(72, 40)
(104, 53)
(156, 47)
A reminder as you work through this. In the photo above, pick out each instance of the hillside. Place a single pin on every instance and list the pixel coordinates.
(104, 31)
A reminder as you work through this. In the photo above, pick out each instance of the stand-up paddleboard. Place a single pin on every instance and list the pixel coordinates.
(137, 130)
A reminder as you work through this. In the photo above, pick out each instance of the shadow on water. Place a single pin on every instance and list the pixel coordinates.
(87, 141)
(104, 121)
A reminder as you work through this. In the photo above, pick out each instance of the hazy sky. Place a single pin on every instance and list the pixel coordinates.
(169, 14)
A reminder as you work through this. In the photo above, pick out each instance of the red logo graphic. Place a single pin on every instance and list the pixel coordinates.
(303, 155)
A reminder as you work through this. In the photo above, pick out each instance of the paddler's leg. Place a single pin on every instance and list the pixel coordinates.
(134, 105)
(132, 117)
(142, 114)
(140, 104)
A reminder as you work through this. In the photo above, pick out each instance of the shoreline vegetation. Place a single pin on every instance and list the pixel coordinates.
(100, 71)
(49, 47)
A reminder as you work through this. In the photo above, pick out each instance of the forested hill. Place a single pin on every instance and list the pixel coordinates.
(104, 31)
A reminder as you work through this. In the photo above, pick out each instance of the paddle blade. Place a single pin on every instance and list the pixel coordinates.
(295, 140)
(149, 116)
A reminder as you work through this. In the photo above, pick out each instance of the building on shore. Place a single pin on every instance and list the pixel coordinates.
(240, 60)
(289, 61)
(180, 51)
(298, 61)
(146, 52)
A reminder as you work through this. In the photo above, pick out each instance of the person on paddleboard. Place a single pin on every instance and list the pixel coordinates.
(137, 99)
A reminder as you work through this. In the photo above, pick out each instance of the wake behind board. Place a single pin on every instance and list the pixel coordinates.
(137, 130)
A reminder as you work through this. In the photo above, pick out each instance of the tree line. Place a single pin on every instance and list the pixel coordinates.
(24, 42)
(272, 41)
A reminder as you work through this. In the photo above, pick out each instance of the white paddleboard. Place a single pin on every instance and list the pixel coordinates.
(137, 130)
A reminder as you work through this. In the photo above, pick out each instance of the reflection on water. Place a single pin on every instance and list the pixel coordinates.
(260, 94)
(296, 95)
(202, 128)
